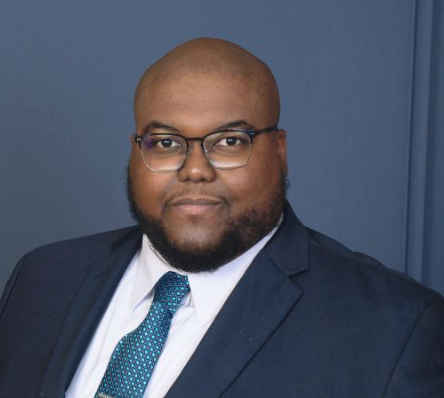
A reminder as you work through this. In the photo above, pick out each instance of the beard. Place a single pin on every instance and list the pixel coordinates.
(239, 235)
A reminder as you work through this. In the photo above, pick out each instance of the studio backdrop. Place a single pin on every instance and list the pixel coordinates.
(362, 89)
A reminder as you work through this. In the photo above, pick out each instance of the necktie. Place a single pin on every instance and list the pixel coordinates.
(133, 360)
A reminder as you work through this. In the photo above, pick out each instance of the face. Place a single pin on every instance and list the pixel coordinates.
(199, 217)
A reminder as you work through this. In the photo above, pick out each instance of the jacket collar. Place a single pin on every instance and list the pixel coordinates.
(289, 248)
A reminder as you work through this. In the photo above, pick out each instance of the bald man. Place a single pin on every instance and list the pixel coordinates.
(219, 291)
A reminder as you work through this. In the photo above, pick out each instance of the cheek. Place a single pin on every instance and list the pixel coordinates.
(250, 186)
(148, 188)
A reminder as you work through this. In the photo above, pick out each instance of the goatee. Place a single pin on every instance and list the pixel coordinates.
(240, 234)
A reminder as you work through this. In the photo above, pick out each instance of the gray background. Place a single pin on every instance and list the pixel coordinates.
(362, 85)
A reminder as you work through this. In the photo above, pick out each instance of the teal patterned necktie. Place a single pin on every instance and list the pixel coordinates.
(133, 360)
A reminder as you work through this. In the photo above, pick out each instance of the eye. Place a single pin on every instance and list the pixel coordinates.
(229, 141)
(165, 143)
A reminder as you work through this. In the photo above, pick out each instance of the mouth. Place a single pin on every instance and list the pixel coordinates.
(196, 205)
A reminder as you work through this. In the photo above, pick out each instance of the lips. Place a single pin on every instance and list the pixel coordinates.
(196, 205)
(196, 201)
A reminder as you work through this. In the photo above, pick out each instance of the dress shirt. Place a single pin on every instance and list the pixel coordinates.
(130, 305)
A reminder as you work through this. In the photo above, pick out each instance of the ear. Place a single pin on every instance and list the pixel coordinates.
(135, 150)
(281, 146)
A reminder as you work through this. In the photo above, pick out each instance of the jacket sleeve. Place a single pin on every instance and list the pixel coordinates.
(419, 372)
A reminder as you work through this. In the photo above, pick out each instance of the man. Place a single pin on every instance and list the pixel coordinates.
(220, 292)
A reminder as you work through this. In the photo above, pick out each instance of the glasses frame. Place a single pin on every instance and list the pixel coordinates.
(251, 134)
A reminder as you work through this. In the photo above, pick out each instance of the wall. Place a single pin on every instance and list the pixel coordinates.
(362, 93)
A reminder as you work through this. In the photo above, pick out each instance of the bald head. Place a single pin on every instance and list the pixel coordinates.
(210, 60)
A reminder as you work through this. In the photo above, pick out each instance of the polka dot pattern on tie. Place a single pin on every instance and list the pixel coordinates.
(135, 356)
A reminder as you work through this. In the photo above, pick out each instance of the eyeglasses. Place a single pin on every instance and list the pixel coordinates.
(224, 149)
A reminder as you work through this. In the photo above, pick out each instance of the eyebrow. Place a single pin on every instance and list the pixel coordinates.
(155, 124)
(235, 124)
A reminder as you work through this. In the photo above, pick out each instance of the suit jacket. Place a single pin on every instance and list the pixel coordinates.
(309, 319)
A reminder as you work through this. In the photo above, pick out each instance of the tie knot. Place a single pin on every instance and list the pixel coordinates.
(171, 288)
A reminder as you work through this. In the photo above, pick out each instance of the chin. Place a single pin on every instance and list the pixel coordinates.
(193, 240)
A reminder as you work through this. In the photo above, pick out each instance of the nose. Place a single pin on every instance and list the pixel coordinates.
(196, 168)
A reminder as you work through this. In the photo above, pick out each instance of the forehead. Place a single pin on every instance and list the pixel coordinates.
(201, 101)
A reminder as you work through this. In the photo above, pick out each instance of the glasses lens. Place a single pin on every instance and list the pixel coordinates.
(163, 152)
(228, 149)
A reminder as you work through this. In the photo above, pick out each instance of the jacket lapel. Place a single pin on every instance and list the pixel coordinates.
(254, 310)
(85, 313)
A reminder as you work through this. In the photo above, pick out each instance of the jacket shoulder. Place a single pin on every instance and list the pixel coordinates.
(69, 259)
(98, 244)
(63, 263)
(355, 270)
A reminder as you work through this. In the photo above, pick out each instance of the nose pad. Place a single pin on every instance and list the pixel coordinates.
(196, 166)
(198, 150)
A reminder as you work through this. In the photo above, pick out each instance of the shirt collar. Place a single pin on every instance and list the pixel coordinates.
(150, 267)
(208, 290)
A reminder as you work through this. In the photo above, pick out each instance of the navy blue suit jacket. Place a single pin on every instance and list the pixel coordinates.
(309, 319)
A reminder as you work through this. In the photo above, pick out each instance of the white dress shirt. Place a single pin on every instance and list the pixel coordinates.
(130, 304)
